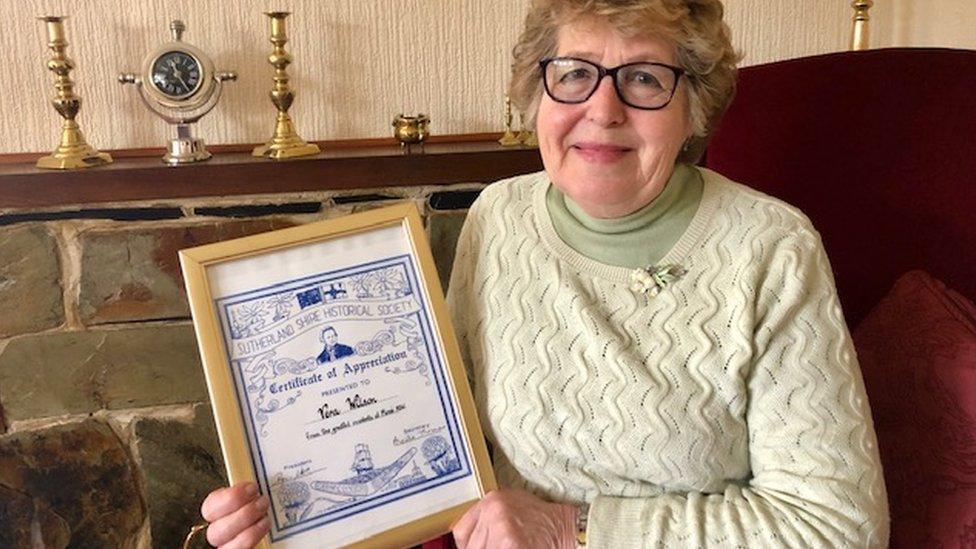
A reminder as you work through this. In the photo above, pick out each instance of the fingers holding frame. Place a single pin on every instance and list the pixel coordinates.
(236, 514)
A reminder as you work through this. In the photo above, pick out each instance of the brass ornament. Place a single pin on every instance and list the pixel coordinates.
(73, 151)
(411, 130)
(509, 139)
(195, 531)
(861, 33)
(285, 143)
(526, 136)
(179, 84)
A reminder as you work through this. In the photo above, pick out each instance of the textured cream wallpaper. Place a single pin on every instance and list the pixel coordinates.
(357, 62)
(928, 23)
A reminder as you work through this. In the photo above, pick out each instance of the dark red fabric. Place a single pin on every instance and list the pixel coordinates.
(878, 148)
(917, 350)
(444, 542)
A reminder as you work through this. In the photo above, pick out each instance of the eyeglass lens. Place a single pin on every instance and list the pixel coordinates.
(643, 85)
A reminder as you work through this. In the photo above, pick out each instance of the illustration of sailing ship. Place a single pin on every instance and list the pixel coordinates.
(368, 479)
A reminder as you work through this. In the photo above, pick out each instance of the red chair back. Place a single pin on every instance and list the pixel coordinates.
(878, 148)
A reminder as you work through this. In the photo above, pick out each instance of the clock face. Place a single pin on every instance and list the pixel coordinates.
(176, 74)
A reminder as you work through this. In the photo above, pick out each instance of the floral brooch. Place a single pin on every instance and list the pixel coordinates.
(651, 280)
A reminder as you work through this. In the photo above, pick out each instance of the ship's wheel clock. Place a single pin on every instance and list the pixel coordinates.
(178, 83)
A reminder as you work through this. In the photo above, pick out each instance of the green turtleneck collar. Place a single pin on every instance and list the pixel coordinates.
(639, 239)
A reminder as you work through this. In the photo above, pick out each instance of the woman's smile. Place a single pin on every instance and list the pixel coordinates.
(600, 153)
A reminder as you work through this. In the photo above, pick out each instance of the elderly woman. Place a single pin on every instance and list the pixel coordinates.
(657, 353)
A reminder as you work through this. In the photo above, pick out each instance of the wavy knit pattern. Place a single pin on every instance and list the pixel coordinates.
(727, 411)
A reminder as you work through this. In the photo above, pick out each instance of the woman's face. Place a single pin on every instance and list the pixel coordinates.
(609, 158)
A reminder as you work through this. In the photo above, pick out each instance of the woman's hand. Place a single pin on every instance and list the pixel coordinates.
(513, 518)
(238, 517)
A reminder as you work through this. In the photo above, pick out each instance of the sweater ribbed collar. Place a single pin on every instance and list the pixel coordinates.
(674, 256)
(635, 240)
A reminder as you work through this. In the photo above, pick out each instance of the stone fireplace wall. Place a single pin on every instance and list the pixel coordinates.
(106, 434)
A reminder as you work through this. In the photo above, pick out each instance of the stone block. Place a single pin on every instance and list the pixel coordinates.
(443, 230)
(80, 480)
(180, 464)
(80, 372)
(30, 280)
(25, 518)
(134, 274)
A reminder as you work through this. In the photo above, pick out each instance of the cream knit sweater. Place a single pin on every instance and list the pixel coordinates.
(727, 411)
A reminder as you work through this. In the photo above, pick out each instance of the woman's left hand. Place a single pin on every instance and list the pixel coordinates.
(513, 518)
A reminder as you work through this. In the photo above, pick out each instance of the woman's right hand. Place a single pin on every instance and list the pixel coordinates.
(238, 517)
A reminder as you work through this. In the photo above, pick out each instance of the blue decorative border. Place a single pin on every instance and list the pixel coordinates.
(437, 371)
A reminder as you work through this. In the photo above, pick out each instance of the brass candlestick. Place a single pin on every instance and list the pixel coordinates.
(285, 143)
(526, 136)
(73, 151)
(509, 139)
(861, 35)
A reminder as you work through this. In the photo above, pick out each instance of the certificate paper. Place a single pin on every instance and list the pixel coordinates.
(341, 382)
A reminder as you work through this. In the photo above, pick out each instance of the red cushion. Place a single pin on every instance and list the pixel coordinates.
(917, 350)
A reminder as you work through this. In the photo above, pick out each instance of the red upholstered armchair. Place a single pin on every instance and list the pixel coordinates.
(878, 148)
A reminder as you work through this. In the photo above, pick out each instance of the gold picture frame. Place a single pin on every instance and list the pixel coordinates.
(291, 420)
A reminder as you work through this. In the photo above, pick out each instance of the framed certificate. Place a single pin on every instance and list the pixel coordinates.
(336, 381)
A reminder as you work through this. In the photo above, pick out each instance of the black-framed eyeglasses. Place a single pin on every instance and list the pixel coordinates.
(643, 85)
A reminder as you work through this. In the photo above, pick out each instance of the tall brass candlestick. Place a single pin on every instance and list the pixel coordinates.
(526, 136)
(285, 143)
(72, 151)
(861, 33)
(509, 139)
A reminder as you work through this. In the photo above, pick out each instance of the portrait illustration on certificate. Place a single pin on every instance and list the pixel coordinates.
(349, 410)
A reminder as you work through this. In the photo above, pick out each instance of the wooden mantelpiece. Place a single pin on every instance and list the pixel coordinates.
(344, 166)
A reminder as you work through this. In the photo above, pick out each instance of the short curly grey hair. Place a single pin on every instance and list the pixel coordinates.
(701, 38)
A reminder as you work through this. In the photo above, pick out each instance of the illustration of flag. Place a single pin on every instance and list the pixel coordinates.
(309, 297)
(335, 291)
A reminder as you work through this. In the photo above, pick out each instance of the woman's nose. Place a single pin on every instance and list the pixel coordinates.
(604, 107)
